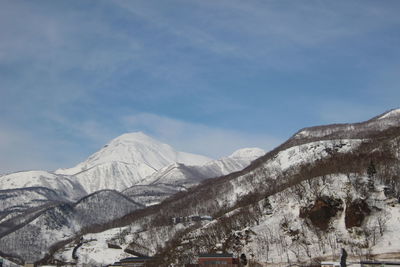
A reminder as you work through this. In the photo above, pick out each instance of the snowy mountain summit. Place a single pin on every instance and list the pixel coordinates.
(126, 160)
(137, 148)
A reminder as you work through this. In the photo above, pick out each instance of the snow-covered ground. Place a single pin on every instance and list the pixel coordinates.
(95, 249)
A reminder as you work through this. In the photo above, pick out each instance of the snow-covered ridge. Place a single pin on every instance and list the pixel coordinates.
(64, 184)
(390, 114)
(185, 176)
(310, 152)
(349, 130)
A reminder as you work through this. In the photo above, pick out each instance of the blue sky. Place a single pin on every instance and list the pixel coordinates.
(205, 76)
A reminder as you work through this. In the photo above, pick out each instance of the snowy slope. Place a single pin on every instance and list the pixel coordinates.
(93, 248)
(150, 194)
(392, 114)
(281, 235)
(31, 240)
(186, 176)
(176, 177)
(14, 202)
(66, 185)
(126, 160)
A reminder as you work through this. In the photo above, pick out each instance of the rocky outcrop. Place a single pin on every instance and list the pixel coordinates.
(321, 212)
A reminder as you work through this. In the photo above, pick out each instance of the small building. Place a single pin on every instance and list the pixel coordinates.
(218, 259)
(361, 264)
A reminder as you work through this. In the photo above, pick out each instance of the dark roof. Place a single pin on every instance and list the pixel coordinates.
(135, 259)
(380, 262)
(216, 255)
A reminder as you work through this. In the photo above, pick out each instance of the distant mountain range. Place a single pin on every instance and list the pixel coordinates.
(128, 160)
(144, 170)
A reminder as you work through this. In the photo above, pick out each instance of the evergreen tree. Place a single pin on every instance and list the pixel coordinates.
(243, 259)
(371, 172)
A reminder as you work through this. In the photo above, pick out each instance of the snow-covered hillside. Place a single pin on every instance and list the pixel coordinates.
(313, 221)
(126, 160)
(66, 185)
(177, 177)
(15, 202)
(356, 130)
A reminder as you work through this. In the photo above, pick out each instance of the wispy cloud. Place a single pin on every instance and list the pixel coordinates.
(197, 138)
(224, 73)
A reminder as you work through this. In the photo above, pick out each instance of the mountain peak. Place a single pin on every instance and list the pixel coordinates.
(126, 160)
(133, 137)
(137, 147)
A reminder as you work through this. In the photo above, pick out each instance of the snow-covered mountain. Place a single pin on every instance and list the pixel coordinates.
(126, 160)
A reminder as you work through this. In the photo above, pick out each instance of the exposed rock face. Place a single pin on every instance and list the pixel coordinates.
(321, 212)
(356, 212)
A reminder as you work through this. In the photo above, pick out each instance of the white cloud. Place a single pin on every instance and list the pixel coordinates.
(21, 151)
(197, 138)
(344, 112)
